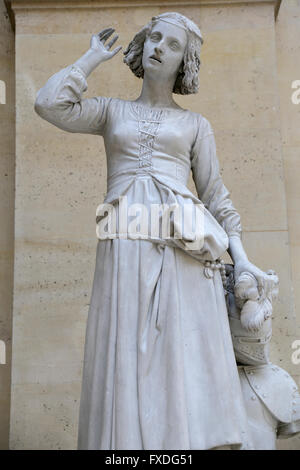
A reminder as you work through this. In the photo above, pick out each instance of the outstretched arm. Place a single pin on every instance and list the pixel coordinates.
(98, 52)
(215, 196)
(210, 187)
(60, 101)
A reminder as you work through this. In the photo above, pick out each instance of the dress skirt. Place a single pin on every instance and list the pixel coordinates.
(159, 369)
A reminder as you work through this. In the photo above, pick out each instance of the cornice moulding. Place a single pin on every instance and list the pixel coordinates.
(16, 4)
(13, 6)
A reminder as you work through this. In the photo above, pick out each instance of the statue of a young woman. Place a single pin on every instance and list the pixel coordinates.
(159, 367)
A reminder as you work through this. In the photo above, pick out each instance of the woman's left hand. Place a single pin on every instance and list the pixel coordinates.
(265, 282)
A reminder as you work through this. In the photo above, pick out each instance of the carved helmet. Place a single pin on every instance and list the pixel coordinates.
(251, 345)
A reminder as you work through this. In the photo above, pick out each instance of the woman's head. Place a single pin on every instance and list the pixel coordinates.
(175, 42)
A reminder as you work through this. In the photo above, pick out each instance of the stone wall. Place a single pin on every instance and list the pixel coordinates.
(288, 53)
(60, 180)
(7, 176)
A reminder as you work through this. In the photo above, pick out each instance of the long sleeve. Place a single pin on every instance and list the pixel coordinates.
(206, 174)
(60, 102)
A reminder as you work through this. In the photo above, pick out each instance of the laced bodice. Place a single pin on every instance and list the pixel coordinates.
(150, 153)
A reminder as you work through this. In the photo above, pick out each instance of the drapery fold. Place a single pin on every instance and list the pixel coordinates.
(159, 370)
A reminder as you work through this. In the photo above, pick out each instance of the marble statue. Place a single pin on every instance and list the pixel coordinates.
(159, 367)
(271, 396)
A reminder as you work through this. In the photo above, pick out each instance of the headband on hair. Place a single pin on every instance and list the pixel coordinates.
(192, 28)
(175, 23)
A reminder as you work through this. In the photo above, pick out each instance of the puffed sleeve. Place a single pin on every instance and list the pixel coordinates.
(60, 102)
(206, 174)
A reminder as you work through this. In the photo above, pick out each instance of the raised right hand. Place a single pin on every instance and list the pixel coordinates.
(100, 49)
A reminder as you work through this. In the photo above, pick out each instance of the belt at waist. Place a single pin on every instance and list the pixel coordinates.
(119, 182)
(174, 173)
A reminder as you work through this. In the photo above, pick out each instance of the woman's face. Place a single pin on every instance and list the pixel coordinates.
(164, 50)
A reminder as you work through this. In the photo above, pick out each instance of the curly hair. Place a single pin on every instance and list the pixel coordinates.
(187, 80)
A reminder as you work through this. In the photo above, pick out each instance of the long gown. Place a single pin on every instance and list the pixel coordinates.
(159, 369)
